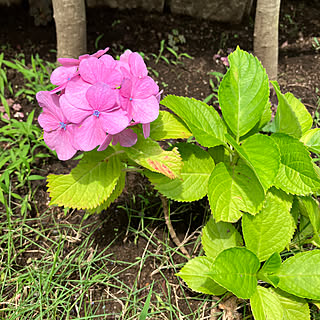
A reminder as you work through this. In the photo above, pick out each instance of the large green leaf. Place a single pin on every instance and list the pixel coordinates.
(89, 184)
(218, 236)
(312, 140)
(266, 305)
(203, 121)
(296, 174)
(303, 115)
(243, 92)
(114, 195)
(168, 126)
(300, 275)
(262, 155)
(236, 270)
(286, 120)
(195, 173)
(294, 308)
(233, 190)
(269, 268)
(309, 207)
(150, 155)
(195, 274)
(270, 230)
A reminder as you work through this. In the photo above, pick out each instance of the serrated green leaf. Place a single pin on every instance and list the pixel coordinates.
(243, 92)
(168, 126)
(262, 155)
(286, 120)
(113, 196)
(195, 274)
(270, 230)
(300, 275)
(236, 270)
(233, 190)
(270, 267)
(88, 184)
(266, 305)
(203, 121)
(218, 236)
(296, 174)
(309, 207)
(150, 155)
(195, 173)
(294, 308)
(303, 115)
(311, 139)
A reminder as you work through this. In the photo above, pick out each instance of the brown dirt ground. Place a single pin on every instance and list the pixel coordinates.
(299, 73)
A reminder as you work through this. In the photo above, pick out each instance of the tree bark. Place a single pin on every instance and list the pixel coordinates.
(266, 29)
(71, 29)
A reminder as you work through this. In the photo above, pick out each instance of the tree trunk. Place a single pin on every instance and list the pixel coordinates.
(71, 30)
(266, 30)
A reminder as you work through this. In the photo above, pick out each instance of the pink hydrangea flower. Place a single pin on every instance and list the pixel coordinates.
(98, 116)
(69, 69)
(138, 98)
(58, 131)
(126, 138)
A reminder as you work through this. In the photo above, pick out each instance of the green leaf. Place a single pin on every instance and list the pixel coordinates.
(296, 174)
(309, 207)
(311, 139)
(262, 155)
(294, 308)
(150, 155)
(270, 230)
(218, 236)
(88, 184)
(168, 126)
(195, 173)
(236, 270)
(286, 120)
(114, 195)
(243, 92)
(266, 305)
(233, 190)
(195, 274)
(270, 267)
(203, 121)
(303, 115)
(300, 275)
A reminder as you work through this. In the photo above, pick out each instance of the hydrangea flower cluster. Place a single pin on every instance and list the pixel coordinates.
(96, 101)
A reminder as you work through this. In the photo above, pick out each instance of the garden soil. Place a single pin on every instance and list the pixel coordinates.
(299, 73)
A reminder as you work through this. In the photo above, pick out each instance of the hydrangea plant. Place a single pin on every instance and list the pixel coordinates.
(262, 187)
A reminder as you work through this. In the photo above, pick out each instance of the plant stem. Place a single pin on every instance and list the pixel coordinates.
(170, 228)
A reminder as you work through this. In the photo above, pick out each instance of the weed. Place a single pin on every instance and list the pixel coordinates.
(213, 97)
(316, 44)
(175, 39)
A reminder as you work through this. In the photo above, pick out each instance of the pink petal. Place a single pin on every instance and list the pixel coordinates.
(125, 56)
(50, 103)
(144, 88)
(73, 113)
(76, 90)
(145, 110)
(61, 141)
(90, 134)
(127, 138)
(126, 105)
(93, 70)
(146, 130)
(137, 66)
(68, 62)
(99, 53)
(101, 97)
(126, 88)
(108, 61)
(48, 121)
(105, 144)
(115, 121)
(61, 75)
(16, 106)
